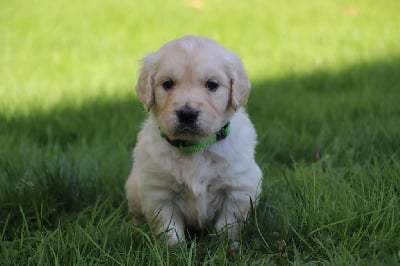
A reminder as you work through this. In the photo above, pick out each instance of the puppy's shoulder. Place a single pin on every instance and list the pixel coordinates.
(243, 133)
(240, 144)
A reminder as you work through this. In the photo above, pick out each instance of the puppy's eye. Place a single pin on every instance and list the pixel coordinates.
(168, 84)
(211, 85)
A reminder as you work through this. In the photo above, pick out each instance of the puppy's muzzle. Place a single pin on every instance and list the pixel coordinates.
(187, 116)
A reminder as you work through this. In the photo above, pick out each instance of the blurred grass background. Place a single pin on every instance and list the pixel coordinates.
(325, 77)
(76, 50)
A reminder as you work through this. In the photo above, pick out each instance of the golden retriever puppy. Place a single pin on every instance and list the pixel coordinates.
(194, 158)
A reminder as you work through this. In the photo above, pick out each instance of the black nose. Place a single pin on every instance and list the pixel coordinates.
(187, 115)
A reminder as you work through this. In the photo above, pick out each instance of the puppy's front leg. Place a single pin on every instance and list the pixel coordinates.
(169, 219)
(232, 217)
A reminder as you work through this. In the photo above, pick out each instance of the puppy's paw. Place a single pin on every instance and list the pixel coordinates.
(235, 245)
(138, 220)
(174, 238)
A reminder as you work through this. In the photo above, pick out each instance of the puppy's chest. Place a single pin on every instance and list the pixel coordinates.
(199, 187)
(200, 202)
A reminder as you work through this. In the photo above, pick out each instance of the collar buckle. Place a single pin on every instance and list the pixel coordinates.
(223, 132)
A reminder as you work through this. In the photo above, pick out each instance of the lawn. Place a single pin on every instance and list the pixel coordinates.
(325, 103)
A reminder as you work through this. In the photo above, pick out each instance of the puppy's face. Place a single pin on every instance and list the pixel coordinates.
(193, 86)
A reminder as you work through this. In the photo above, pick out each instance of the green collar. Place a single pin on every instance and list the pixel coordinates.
(192, 147)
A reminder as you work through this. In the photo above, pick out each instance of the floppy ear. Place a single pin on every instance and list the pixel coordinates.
(144, 86)
(240, 84)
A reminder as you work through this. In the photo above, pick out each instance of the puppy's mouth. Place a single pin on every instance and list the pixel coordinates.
(189, 133)
(188, 130)
(187, 124)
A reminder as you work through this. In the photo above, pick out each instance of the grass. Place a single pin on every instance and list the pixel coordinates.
(325, 103)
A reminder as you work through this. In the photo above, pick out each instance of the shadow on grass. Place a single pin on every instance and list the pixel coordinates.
(349, 112)
(317, 105)
(66, 159)
(67, 124)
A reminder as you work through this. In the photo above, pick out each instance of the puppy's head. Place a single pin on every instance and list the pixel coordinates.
(193, 86)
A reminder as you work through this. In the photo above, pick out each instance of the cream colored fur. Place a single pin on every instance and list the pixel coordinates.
(210, 188)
